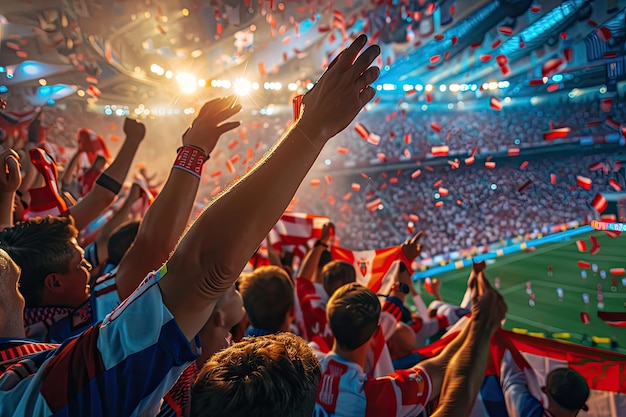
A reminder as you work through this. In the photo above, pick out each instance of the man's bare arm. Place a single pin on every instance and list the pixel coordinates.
(212, 254)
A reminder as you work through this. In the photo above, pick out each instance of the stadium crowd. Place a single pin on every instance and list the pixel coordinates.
(513, 210)
(484, 130)
(138, 320)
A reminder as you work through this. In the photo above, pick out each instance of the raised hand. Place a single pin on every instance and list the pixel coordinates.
(211, 123)
(12, 178)
(134, 129)
(412, 248)
(341, 92)
(488, 306)
(327, 232)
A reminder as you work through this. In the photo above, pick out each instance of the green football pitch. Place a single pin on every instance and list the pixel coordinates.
(550, 314)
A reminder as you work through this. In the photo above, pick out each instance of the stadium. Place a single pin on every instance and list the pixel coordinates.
(498, 129)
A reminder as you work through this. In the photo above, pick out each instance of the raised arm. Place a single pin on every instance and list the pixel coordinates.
(10, 181)
(309, 267)
(168, 216)
(466, 370)
(120, 217)
(272, 254)
(411, 250)
(109, 183)
(216, 248)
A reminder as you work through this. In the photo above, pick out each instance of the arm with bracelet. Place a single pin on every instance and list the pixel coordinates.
(168, 216)
(109, 184)
(214, 251)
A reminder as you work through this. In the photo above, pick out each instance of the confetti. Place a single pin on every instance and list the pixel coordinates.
(490, 165)
(524, 165)
(615, 185)
(553, 179)
(416, 174)
(583, 264)
(262, 70)
(315, 182)
(584, 317)
(581, 245)
(469, 161)
(583, 182)
(495, 104)
(436, 127)
(440, 150)
(552, 66)
(595, 245)
(599, 203)
(439, 204)
(373, 139)
(443, 191)
(556, 133)
(328, 179)
(618, 271)
(414, 218)
(505, 30)
(343, 151)
(355, 186)
(362, 130)
(373, 205)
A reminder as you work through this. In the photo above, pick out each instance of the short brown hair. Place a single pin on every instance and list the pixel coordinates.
(267, 296)
(263, 376)
(353, 314)
(336, 274)
(39, 246)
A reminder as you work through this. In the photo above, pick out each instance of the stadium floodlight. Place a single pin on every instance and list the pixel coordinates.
(242, 87)
(187, 82)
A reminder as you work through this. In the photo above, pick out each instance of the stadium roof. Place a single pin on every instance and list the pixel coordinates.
(145, 52)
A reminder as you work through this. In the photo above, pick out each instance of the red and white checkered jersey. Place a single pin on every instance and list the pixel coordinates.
(346, 391)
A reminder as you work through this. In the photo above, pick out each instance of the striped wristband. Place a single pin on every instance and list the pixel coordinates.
(190, 159)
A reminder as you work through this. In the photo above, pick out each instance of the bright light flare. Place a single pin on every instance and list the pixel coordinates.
(187, 82)
(242, 87)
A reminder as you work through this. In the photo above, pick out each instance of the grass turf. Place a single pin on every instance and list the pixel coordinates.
(550, 314)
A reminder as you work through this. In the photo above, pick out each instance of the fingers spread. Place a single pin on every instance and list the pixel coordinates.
(347, 57)
(365, 60)
(227, 112)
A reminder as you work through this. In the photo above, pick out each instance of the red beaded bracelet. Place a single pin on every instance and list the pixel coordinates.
(190, 159)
